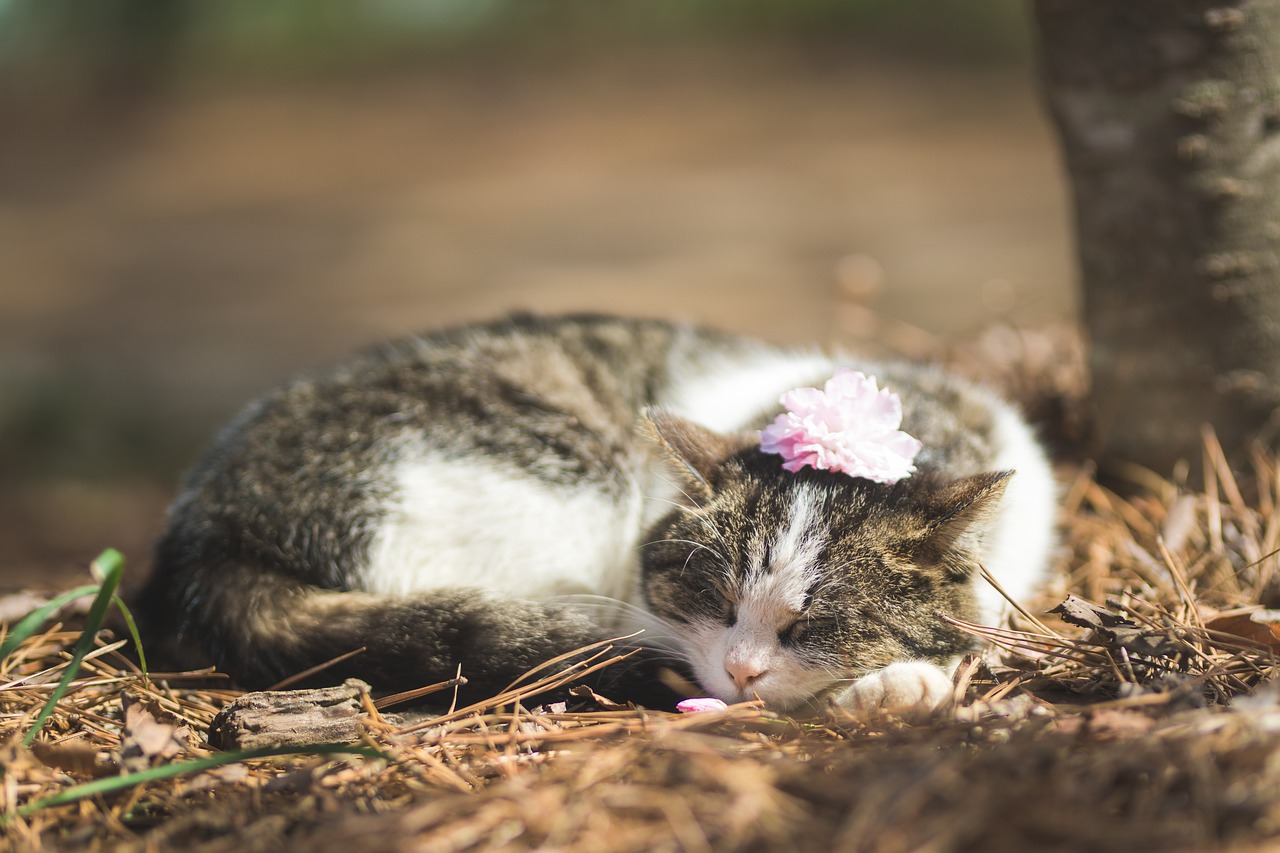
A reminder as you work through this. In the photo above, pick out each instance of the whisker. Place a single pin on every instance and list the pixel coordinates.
(675, 484)
(661, 500)
(658, 637)
(691, 511)
(708, 548)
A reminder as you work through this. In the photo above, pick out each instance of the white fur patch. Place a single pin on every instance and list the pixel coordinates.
(725, 394)
(909, 688)
(468, 523)
(1020, 544)
(786, 678)
(778, 590)
(770, 598)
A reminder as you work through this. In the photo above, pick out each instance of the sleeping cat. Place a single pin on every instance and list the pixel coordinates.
(441, 501)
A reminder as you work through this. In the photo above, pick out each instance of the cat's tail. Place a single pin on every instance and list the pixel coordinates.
(262, 627)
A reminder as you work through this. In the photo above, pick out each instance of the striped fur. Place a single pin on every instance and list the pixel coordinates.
(434, 501)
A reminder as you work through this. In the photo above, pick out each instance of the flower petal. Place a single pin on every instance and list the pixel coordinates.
(851, 426)
(694, 706)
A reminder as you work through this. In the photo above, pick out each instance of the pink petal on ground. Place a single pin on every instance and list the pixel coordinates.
(694, 706)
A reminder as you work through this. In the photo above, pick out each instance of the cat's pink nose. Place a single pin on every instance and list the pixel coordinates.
(743, 674)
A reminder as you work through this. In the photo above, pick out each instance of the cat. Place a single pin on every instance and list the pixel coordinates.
(444, 500)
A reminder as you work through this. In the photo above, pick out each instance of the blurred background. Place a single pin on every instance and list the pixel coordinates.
(198, 200)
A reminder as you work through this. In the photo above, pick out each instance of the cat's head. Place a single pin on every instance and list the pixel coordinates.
(789, 585)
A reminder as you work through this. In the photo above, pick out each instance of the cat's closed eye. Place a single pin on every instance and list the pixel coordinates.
(797, 630)
(728, 612)
(715, 603)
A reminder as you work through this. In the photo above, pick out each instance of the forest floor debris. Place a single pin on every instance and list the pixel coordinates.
(1133, 708)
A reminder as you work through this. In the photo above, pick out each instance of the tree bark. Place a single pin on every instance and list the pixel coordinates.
(291, 718)
(1169, 116)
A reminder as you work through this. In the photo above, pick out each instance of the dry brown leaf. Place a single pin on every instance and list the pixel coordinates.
(1079, 612)
(582, 691)
(1260, 626)
(151, 734)
(16, 605)
(76, 758)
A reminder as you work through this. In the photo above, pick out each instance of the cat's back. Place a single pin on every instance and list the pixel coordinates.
(524, 389)
(507, 452)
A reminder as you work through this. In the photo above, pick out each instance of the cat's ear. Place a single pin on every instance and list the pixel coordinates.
(697, 452)
(960, 515)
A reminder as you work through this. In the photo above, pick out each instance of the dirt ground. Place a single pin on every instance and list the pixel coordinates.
(163, 264)
(159, 266)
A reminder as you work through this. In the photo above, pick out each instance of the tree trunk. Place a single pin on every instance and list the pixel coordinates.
(1169, 116)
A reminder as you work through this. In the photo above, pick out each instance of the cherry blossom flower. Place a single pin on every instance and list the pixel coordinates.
(694, 706)
(849, 426)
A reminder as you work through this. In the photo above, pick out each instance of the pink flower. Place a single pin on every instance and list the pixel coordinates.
(693, 706)
(849, 426)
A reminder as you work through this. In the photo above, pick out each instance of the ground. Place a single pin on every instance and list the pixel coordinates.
(1129, 709)
(195, 249)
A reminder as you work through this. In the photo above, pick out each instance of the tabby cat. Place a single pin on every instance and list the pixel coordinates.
(452, 499)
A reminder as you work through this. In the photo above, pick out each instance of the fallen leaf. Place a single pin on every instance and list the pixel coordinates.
(1079, 612)
(582, 691)
(231, 774)
(76, 758)
(16, 605)
(151, 734)
(1117, 631)
(1140, 641)
(1260, 626)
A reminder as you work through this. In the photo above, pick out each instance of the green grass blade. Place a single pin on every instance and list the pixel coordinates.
(30, 623)
(133, 631)
(111, 564)
(170, 771)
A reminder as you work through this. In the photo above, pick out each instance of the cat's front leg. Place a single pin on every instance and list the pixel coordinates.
(911, 689)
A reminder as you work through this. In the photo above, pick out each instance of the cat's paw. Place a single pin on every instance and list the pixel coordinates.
(909, 689)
